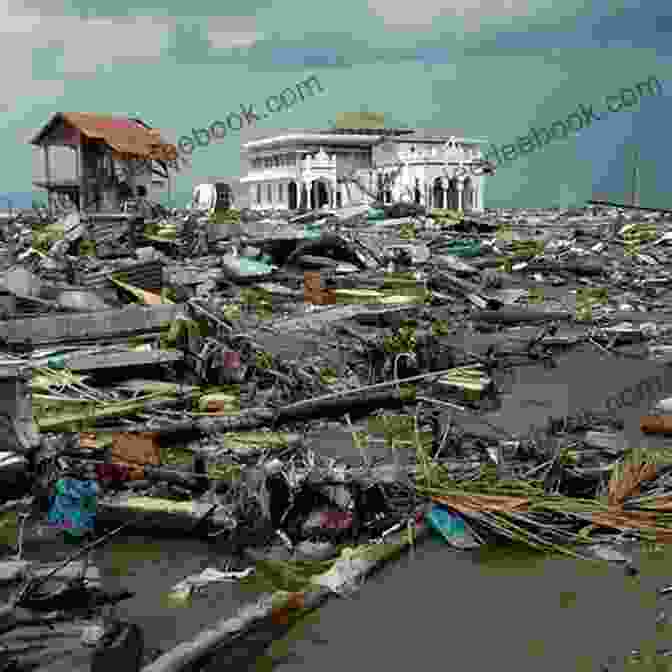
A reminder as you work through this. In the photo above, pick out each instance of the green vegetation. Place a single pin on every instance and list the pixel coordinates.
(328, 376)
(440, 328)
(263, 360)
(258, 298)
(403, 341)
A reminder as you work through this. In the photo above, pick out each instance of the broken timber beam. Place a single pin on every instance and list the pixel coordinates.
(81, 327)
(115, 360)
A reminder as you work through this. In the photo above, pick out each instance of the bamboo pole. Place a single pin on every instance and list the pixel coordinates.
(270, 607)
(367, 388)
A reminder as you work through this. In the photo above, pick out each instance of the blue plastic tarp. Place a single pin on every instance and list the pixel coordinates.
(447, 524)
(74, 506)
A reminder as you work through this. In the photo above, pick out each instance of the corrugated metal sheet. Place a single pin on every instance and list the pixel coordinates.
(147, 275)
(113, 323)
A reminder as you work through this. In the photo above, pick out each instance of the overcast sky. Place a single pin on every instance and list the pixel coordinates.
(494, 68)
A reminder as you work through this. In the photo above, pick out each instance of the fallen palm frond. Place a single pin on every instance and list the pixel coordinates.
(67, 421)
(164, 231)
(292, 576)
(246, 441)
(466, 378)
(505, 516)
(445, 213)
(61, 391)
(45, 237)
(225, 401)
(181, 329)
(522, 512)
(428, 469)
(48, 380)
(225, 472)
(487, 483)
(45, 406)
(483, 502)
(526, 249)
(155, 387)
(626, 478)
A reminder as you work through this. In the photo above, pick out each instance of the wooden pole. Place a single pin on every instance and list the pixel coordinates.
(47, 175)
(169, 185)
(278, 606)
(83, 192)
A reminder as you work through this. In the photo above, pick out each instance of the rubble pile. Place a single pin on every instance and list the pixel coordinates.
(179, 374)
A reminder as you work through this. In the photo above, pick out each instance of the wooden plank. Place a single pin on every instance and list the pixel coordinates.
(102, 324)
(113, 360)
(318, 318)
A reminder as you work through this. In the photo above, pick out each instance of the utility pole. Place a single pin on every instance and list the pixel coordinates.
(635, 178)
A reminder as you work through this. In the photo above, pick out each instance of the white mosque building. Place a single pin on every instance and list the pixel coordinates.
(348, 166)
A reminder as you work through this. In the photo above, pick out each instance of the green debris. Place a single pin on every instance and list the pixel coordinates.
(161, 231)
(9, 528)
(259, 299)
(180, 330)
(79, 420)
(45, 237)
(276, 575)
(56, 362)
(140, 295)
(231, 312)
(448, 214)
(535, 295)
(471, 380)
(504, 233)
(375, 214)
(593, 295)
(399, 280)
(328, 376)
(47, 379)
(588, 297)
(176, 456)
(505, 265)
(440, 328)
(263, 360)
(527, 249)
(407, 231)
(388, 296)
(226, 400)
(224, 216)
(244, 441)
(45, 407)
(399, 430)
(403, 341)
(168, 295)
(225, 472)
(358, 296)
(312, 231)
(360, 440)
(464, 248)
(86, 248)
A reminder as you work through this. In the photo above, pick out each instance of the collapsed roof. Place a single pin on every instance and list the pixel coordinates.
(128, 138)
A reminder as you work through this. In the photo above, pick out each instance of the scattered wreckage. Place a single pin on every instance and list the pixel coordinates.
(174, 374)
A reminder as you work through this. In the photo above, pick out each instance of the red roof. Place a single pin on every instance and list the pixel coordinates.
(129, 139)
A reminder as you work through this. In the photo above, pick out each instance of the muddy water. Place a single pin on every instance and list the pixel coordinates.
(499, 609)
(496, 609)
(149, 567)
